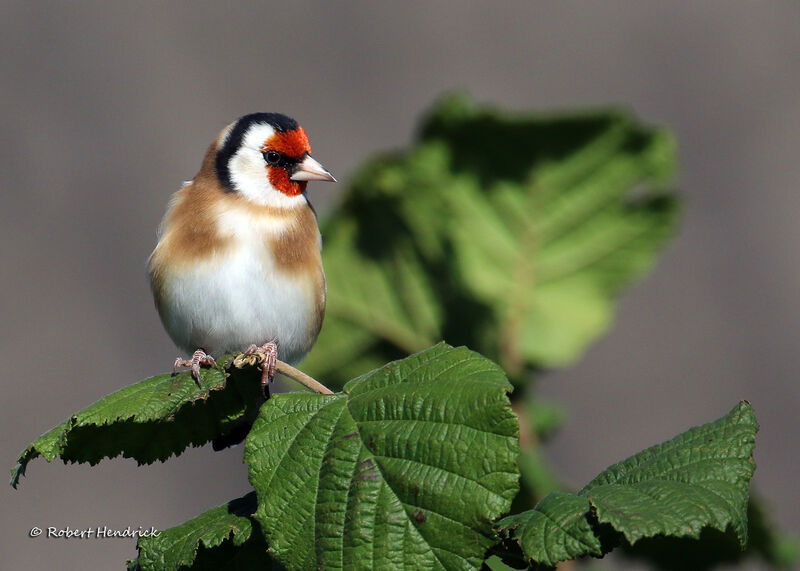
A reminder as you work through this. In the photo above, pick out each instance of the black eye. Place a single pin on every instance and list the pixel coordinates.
(272, 157)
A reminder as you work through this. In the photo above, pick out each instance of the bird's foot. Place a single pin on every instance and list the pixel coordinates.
(199, 359)
(269, 353)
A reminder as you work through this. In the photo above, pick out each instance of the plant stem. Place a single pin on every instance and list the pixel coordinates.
(302, 378)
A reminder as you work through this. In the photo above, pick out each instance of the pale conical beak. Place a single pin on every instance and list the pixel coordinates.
(311, 169)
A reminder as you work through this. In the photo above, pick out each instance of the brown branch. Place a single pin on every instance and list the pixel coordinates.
(302, 378)
(256, 359)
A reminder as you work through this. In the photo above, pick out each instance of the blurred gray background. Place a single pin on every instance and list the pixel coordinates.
(106, 109)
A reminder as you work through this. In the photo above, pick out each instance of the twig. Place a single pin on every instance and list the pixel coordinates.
(302, 378)
(256, 359)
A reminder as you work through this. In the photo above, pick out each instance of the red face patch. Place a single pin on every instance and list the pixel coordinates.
(293, 144)
(279, 178)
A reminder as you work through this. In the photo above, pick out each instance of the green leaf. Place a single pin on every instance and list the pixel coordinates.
(509, 234)
(406, 468)
(151, 420)
(222, 537)
(557, 529)
(497, 563)
(697, 480)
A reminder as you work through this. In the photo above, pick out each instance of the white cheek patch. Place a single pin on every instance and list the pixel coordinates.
(249, 175)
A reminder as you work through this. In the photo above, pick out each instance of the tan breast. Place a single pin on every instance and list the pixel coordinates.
(205, 224)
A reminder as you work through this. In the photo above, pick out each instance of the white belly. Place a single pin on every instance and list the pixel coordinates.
(228, 304)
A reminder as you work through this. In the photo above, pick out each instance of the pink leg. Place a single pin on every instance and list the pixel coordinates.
(270, 352)
(199, 359)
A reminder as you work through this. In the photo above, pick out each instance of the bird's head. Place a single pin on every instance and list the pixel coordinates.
(266, 158)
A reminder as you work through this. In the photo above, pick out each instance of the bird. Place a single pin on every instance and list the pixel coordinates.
(237, 265)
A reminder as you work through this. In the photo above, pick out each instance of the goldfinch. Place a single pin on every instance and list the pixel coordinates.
(237, 265)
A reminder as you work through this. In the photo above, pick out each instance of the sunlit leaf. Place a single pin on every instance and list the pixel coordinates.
(406, 468)
(151, 420)
(696, 481)
(509, 234)
(224, 537)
